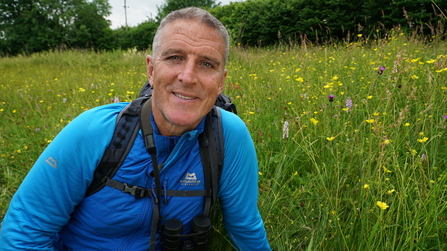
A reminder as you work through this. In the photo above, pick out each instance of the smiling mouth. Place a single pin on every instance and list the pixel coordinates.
(184, 97)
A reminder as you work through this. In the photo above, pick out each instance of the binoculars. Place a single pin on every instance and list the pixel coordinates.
(172, 238)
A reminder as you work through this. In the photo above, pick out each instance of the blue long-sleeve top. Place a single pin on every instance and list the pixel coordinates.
(50, 212)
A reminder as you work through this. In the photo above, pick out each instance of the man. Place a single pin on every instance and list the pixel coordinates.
(187, 71)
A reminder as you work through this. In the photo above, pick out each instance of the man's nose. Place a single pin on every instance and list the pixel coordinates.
(189, 72)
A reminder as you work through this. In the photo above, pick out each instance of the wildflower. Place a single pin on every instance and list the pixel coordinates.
(423, 140)
(366, 186)
(331, 98)
(330, 138)
(386, 142)
(370, 121)
(386, 169)
(349, 103)
(285, 129)
(445, 117)
(390, 191)
(381, 70)
(382, 205)
(295, 173)
(314, 121)
(407, 124)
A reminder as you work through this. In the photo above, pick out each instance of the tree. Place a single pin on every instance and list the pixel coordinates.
(171, 5)
(30, 26)
(90, 29)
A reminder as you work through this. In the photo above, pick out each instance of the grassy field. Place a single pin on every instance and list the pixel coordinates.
(350, 138)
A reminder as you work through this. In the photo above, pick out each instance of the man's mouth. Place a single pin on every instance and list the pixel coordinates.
(184, 97)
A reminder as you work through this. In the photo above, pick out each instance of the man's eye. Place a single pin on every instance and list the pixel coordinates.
(174, 58)
(207, 65)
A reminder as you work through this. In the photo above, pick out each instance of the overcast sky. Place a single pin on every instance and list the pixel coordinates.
(138, 11)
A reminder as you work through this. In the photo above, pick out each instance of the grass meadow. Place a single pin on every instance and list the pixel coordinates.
(351, 138)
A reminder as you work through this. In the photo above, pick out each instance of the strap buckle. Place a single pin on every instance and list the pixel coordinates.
(135, 191)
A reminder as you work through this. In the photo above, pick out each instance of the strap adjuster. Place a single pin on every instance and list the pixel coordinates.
(135, 191)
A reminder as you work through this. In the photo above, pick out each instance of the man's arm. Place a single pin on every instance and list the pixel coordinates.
(238, 187)
(57, 181)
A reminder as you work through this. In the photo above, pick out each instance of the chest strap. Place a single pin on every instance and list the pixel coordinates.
(142, 192)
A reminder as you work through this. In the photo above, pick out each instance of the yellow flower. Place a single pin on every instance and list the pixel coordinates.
(387, 141)
(407, 124)
(366, 186)
(386, 170)
(370, 97)
(390, 191)
(314, 121)
(330, 138)
(376, 114)
(370, 121)
(382, 205)
(422, 140)
(295, 173)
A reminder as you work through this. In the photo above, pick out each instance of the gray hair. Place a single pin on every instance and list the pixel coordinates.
(196, 14)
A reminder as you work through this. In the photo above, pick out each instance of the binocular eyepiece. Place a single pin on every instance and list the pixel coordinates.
(172, 238)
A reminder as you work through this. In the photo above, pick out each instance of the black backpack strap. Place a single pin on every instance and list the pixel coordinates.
(126, 130)
(212, 153)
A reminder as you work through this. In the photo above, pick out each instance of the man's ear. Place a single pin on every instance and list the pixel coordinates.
(150, 68)
(222, 82)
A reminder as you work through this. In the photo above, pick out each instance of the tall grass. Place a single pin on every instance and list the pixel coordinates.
(324, 167)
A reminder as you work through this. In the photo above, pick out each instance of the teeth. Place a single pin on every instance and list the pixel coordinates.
(183, 97)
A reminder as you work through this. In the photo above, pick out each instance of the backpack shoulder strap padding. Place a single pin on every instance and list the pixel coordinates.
(212, 153)
(126, 130)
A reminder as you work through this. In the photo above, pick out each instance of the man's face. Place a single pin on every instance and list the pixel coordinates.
(187, 74)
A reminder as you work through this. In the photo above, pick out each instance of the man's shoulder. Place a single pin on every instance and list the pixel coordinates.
(107, 109)
(233, 125)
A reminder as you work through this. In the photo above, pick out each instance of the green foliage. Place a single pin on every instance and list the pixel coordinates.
(171, 5)
(33, 26)
(139, 37)
(270, 22)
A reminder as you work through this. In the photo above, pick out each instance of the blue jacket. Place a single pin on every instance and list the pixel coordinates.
(49, 210)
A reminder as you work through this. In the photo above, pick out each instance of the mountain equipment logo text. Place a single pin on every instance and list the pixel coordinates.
(190, 180)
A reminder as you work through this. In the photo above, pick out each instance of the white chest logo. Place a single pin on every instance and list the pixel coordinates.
(190, 180)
